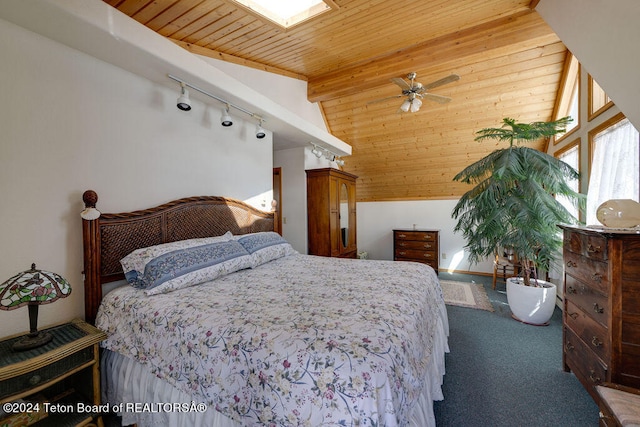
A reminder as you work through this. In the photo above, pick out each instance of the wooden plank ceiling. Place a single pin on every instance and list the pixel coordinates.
(510, 63)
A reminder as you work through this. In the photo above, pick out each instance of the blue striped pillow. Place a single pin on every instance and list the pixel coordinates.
(265, 246)
(170, 268)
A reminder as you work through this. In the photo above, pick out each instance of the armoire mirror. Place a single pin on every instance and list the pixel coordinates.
(344, 214)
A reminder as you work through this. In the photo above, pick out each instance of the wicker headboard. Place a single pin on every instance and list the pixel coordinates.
(107, 238)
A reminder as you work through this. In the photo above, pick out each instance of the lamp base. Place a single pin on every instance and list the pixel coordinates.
(32, 341)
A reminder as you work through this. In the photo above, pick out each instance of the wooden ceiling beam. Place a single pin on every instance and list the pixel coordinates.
(496, 38)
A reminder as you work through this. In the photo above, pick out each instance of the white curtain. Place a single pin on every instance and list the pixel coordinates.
(615, 167)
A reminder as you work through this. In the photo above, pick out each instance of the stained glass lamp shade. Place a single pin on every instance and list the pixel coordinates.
(32, 288)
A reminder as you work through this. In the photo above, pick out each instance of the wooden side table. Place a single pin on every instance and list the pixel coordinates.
(57, 384)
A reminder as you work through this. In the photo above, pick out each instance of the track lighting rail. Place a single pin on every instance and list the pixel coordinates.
(217, 98)
(328, 154)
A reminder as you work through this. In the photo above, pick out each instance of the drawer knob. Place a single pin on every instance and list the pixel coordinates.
(35, 379)
(402, 244)
(571, 290)
(592, 376)
(596, 342)
(573, 315)
(597, 308)
(402, 235)
(402, 253)
(427, 245)
(568, 347)
(427, 255)
(571, 264)
(596, 277)
(593, 249)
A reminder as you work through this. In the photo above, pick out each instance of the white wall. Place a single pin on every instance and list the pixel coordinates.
(604, 37)
(294, 201)
(376, 220)
(70, 122)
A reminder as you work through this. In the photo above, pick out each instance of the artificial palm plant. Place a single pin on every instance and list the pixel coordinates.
(513, 204)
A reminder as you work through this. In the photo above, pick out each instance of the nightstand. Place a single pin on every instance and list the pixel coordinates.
(62, 377)
(418, 246)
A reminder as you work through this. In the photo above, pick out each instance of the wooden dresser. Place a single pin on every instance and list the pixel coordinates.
(417, 245)
(331, 213)
(601, 318)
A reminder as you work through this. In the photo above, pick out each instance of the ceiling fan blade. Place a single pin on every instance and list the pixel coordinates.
(437, 98)
(402, 83)
(384, 99)
(442, 81)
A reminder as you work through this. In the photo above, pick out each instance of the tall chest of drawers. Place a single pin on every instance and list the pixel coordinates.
(601, 318)
(417, 245)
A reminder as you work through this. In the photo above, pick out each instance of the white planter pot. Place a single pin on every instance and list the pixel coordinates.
(531, 304)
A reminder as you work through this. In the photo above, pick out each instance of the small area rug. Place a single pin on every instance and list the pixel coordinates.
(465, 294)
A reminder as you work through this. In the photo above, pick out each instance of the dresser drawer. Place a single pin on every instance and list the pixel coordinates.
(593, 273)
(414, 254)
(417, 245)
(592, 246)
(592, 333)
(416, 235)
(40, 376)
(583, 362)
(588, 299)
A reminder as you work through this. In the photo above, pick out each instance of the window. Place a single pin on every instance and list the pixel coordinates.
(615, 164)
(287, 13)
(571, 155)
(569, 97)
(599, 101)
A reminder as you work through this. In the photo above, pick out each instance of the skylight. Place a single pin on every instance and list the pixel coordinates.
(287, 13)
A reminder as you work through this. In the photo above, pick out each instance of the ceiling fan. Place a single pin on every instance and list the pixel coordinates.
(415, 92)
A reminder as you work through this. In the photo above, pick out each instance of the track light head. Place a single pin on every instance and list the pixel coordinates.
(183, 103)
(316, 151)
(260, 133)
(225, 120)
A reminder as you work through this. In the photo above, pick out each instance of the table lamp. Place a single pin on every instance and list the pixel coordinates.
(32, 288)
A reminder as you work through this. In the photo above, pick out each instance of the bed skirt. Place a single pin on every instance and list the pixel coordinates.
(127, 381)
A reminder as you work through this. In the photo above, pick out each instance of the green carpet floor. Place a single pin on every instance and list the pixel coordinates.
(501, 372)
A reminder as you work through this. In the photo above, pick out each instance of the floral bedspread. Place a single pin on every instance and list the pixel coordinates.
(298, 341)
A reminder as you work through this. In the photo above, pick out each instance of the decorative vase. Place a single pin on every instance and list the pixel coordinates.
(531, 304)
(619, 213)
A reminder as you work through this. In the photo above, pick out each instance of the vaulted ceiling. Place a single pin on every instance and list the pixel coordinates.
(509, 61)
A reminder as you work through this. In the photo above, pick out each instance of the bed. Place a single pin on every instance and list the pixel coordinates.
(275, 338)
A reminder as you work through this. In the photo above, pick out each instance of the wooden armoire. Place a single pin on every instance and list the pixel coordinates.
(331, 213)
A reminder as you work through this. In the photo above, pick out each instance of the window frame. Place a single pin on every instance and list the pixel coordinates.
(593, 113)
(270, 18)
(569, 146)
(571, 78)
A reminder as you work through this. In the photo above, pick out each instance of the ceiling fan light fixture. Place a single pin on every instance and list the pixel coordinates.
(405, 105)
(415, 105)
